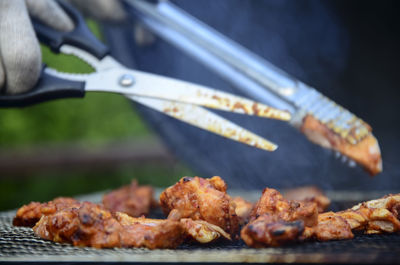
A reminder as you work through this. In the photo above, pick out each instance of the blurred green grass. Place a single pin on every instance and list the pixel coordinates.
(99, 118)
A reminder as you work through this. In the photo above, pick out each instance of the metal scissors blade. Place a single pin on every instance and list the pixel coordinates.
(169, 96)
(204, 119)
(156, 86)
(110, 74)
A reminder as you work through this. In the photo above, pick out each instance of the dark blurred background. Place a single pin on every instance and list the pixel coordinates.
(348, 50)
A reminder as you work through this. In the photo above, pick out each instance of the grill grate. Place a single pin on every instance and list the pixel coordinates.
(20, 244)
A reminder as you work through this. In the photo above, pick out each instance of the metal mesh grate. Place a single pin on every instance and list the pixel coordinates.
(20, 244)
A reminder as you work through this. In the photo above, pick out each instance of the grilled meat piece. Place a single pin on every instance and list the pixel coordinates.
(276, 221)
(243, 209)
(88, 224)
(366, 152)
(150, 233)
(132, 199)
(202, 231)
(157, 233)
(201, 199)
(372, 217)
(308, 194)
(199, 230)
(273, 203)
(331, 226)
(270, 230)
(30, 214)
(92, 225)
(375, 216)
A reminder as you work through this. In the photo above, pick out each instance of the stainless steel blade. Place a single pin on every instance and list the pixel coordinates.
(204, 119)
(155, 86)
(115, 78)
(175, 98)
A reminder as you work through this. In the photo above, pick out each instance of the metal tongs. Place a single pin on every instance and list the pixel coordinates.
(337, 128)
(178, 99)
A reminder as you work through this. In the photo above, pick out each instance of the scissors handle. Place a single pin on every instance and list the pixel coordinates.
(80, 37)
(47, 88)
(50, 87)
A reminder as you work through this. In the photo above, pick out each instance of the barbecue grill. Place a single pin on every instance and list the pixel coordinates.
(20, 244)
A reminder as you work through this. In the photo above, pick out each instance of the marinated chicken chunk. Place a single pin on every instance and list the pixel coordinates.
(270, 230)
(366, 152)
(202, 231)
(30, 214)
(150, 233)
(242, 209)
(92, 225)
(132, 199)
(199, 230)
(309, 194)
(88, 224)
(375, 216)
(331, 226)
(201, 199)
(275, 221)
(273, 203)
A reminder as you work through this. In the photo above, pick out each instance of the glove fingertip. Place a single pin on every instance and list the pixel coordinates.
(50, 13)
(20, 50)
(24, 64)
(2, 75)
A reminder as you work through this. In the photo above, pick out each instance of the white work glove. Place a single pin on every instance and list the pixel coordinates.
(20, 55)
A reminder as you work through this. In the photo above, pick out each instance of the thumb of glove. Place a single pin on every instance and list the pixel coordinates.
(20, 56)
(51, 14)
(20, 53)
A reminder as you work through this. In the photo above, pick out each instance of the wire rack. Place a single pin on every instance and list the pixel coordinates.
(20, 244)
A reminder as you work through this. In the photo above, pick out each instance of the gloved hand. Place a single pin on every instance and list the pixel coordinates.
(20, 55)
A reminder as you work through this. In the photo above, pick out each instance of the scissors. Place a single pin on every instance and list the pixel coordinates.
(181, 100)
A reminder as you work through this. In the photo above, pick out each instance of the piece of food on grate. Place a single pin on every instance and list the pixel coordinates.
(202, 231)
(365, 152)
(92, 225)
(88, 224)
(30, 214)
(310, 194)
(276, 221)
(270, 230)
(167, 233)
(272, 202)
(243, 209)
(150, 233)
(330, 226)
(201, 199)
(375, 216)
(132, 199)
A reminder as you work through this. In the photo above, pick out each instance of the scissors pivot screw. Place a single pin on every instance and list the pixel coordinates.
(126, 80)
